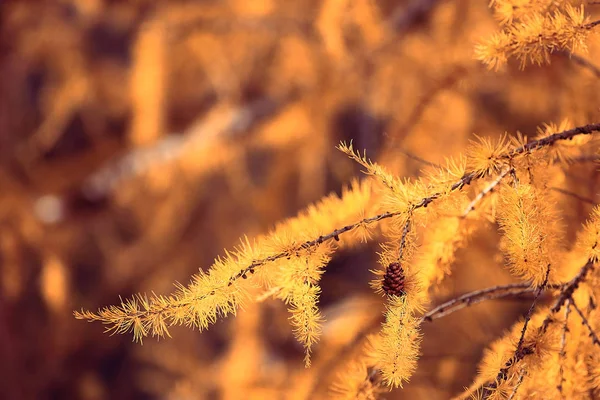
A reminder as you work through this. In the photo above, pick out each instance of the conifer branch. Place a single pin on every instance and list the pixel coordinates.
(520, 351)
(551, 139)
(334, 235)
(155, 315)
(476, 297)
(585, 322)
(537, 36)
(566, 294)
(440, 311)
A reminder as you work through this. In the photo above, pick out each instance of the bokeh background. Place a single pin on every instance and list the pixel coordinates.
(138, 139)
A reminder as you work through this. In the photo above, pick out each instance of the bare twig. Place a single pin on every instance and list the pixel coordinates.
(530, 311)
(585, 63)
(478, 296)
(405, 232)
(563, 345)
(592, 24)
(567, 293)
(517, 386)
(267, 294)
(488, 189)
(585, 322)
(573, 194)
(419, 159)
(320, 240)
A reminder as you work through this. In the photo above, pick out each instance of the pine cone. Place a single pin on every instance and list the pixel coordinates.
(393, 280)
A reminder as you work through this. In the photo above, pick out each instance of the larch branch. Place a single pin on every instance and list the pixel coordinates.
(153, 308)
(566, 294)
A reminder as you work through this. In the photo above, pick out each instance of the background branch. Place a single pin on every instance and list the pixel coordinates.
(585, 322)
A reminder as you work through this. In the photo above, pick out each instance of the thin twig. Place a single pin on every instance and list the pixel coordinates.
(322, 239)
(488, 189)
(520, 351)
(517, 386)
(530, 311)
(405, 232)
(563, 345)
(419, 159)
(583, 62)
(478, 296)
(592, 24)
(573, 194)
(585, 322)
(567, 293)
(265, 295)
(199, 136)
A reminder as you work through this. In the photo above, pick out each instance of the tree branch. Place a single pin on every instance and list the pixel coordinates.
(158, 306)
(585, 322)
(478, 296)
(488, 189)
(550, 140)
(566, 294)
(424, 202)
(518, 385)
(563, 345)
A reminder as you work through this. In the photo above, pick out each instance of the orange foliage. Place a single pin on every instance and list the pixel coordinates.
(140, 139)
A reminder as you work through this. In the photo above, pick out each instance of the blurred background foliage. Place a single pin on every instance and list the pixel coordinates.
(138, 139)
